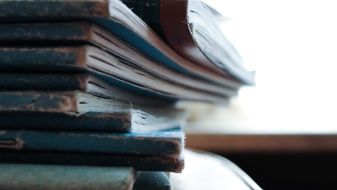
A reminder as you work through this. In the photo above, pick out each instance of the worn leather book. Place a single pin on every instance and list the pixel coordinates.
(90, 33)
(119, 20)
(49, 177)
(139, 162)
(75, 110)
(167, 143)
(193, 32)
(85, 82)
(102, 65)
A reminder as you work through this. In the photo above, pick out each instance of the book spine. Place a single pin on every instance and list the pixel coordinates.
(52, 177)
(161, 143)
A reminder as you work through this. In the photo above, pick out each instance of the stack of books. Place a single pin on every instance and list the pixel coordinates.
(88, 91)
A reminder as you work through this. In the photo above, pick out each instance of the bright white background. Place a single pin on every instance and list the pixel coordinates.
(292, 44)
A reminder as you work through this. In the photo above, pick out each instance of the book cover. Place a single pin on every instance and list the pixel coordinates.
(65, 177)
(167, 143)
(139, 162)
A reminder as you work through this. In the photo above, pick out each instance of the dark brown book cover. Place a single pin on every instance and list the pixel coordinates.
(177, 23)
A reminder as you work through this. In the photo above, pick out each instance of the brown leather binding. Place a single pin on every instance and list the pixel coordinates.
(178, 35)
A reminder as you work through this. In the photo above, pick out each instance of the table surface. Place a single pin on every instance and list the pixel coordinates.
(230, 139)
(248, 143)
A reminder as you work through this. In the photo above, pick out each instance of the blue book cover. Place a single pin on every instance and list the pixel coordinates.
(65, 177)
(167, 143)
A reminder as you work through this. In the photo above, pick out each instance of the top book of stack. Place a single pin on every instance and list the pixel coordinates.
(186, 58)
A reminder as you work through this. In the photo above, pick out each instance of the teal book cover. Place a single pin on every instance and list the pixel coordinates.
(156, 143)
(65, 177)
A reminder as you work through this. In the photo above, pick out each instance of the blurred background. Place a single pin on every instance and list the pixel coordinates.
(281, 131)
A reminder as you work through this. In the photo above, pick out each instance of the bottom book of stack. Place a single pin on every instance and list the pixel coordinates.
(65, 177)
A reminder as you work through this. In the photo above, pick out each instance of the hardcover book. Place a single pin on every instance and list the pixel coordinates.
(75, 110)
(102, 65)
(88, 83)
(167, 143)
(139, 162)
(66, 177)
(119, 20)
(49, 177)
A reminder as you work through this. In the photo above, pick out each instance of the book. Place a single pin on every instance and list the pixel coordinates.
(67, 177)
(104, 66)
(139, 162)
(193, 32)
(167, 143)
(52, 177)
(85, 82)
(127, 121)
(76, 110)
(70, 33)
(118, 19)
